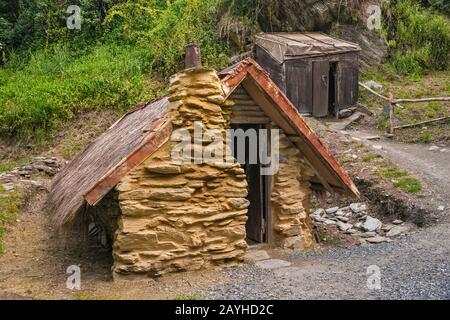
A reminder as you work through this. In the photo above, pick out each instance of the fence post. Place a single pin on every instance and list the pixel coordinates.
(391, 117)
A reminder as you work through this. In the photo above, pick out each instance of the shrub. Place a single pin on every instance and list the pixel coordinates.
(165, 27)
(105, 65)
(56, 85)
(421, 37)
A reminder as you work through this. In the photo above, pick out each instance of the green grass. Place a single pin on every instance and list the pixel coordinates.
(393, 173)
(410, 185)
(10, 203)
(435, 106)
(72, 146)
(432, 84)
(345, 159)
(370, 157)
(10, 165)
(54, 86)
(405, 183)
(426, 137)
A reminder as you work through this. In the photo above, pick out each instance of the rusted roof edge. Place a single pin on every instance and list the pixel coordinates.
(250, 67)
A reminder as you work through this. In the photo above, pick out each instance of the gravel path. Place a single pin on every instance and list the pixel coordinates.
(416, 266)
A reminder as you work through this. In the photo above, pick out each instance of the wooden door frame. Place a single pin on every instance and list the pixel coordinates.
(265, 187)
(336, 105)
(267, 193)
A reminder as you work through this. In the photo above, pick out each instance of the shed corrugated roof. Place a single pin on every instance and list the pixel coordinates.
(284, 46)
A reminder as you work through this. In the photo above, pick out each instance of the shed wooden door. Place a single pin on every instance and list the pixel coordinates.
(299, 84)
(347, 85)
(321, 70)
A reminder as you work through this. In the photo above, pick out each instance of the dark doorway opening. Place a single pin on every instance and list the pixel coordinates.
(332, 94)
(256, 226)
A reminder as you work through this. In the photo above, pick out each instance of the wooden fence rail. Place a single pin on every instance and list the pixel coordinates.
(396, 102)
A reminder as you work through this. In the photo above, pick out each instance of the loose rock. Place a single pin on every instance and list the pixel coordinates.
(329, 222)
(369, 234)
(377, 239)
(371, 224)
(387, 227)
(358, 207)
(8, 186)
(319, 212)
(396, 231)
(344, 226)
(332, 210)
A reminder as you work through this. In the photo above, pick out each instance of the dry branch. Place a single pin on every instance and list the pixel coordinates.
(421, 100)
(422, 122)
(373, 92)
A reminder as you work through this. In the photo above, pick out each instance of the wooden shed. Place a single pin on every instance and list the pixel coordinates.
(318, 73)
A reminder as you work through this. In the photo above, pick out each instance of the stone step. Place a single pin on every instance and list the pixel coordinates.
(273, 264)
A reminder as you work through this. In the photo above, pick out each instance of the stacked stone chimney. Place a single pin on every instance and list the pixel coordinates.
(179, 216)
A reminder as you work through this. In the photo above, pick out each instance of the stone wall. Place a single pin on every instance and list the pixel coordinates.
(290, 199)
(183, 216)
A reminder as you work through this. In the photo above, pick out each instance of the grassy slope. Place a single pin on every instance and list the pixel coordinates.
(60, 84)
(432, 84)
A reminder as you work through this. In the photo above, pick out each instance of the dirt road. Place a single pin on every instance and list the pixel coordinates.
(431, 165)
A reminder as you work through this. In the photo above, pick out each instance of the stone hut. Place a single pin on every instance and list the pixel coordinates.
(161, 213)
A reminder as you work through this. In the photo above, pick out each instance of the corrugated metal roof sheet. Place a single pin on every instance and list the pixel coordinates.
(284, 46)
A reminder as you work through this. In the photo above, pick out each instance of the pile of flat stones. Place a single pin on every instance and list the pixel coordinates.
(48, 166)
(354, 220)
